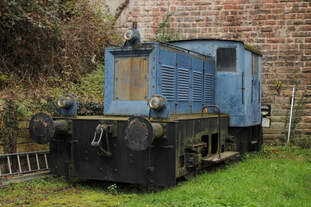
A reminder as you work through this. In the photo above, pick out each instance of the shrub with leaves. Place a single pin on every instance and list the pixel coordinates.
(164, 31)
(50, 48)
(8, 124)
(27, 33)
(54, 40)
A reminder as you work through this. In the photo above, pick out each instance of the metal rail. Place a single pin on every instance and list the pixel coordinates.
(20, 163)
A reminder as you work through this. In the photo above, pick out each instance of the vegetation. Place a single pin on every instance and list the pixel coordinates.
(8, 123)
(296, 137)
(50, 48)
(277, 176)
(58, 39)
(164, 31)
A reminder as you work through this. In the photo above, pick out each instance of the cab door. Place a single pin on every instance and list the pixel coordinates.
(229, 83)
(255, 89)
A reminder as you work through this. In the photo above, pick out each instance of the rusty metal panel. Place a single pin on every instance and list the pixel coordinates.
(131, 78)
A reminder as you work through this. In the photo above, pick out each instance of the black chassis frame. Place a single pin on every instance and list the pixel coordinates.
(180, 153)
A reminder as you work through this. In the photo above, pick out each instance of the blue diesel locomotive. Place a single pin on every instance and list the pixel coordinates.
(170, 109)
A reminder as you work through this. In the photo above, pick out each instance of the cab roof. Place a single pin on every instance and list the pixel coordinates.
(246, 45)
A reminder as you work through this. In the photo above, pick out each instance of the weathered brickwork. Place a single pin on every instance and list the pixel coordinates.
(281, 29)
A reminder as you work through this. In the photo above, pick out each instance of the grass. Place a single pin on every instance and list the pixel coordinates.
(274, 177)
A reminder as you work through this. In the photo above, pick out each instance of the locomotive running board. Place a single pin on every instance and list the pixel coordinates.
(217, 158)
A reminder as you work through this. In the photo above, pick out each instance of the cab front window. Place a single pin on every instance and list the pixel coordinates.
(226, 60)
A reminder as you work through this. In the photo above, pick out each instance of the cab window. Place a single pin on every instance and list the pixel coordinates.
(226, 60)
(255, 65)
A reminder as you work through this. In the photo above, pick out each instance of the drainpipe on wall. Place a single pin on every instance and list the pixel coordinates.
(291, 115)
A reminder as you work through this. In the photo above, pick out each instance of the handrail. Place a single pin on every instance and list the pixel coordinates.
(218, 127)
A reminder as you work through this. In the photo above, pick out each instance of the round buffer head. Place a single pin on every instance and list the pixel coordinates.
(41, 128)
(138, 134)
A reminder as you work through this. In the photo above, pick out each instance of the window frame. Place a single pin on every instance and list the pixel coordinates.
(235, 62)
(255, 59)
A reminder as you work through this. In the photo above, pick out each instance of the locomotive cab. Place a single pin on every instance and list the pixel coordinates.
(238, 86)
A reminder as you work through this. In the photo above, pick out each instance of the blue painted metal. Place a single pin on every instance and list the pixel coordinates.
(186, 81)
(243, 105)
(126, 107)
(197, 95)
(135, 40)
(209, 83)
(72, 111)
(183, 67)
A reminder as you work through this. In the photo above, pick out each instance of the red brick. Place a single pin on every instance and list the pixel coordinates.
(173, 8)
(306, 75)
(229, 6)
(306, 70)
(305, 46)
(270, 22)
(301, 34)
(266, 29)
(307, 16)
(156, 13)
(307, 119)
(244, 29)
(304, 28)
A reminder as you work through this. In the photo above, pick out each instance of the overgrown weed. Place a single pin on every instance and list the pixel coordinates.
(51, 41)
(47, 48)
(20, 103)
(165, 32)
(270, 151)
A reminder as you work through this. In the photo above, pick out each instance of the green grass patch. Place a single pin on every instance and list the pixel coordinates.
(274, 177)
(54, 191)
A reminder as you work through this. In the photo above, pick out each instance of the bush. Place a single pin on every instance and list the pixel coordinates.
(51, 40)
(50, 48)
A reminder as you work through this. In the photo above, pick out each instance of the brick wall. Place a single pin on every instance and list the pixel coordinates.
(281, 29)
